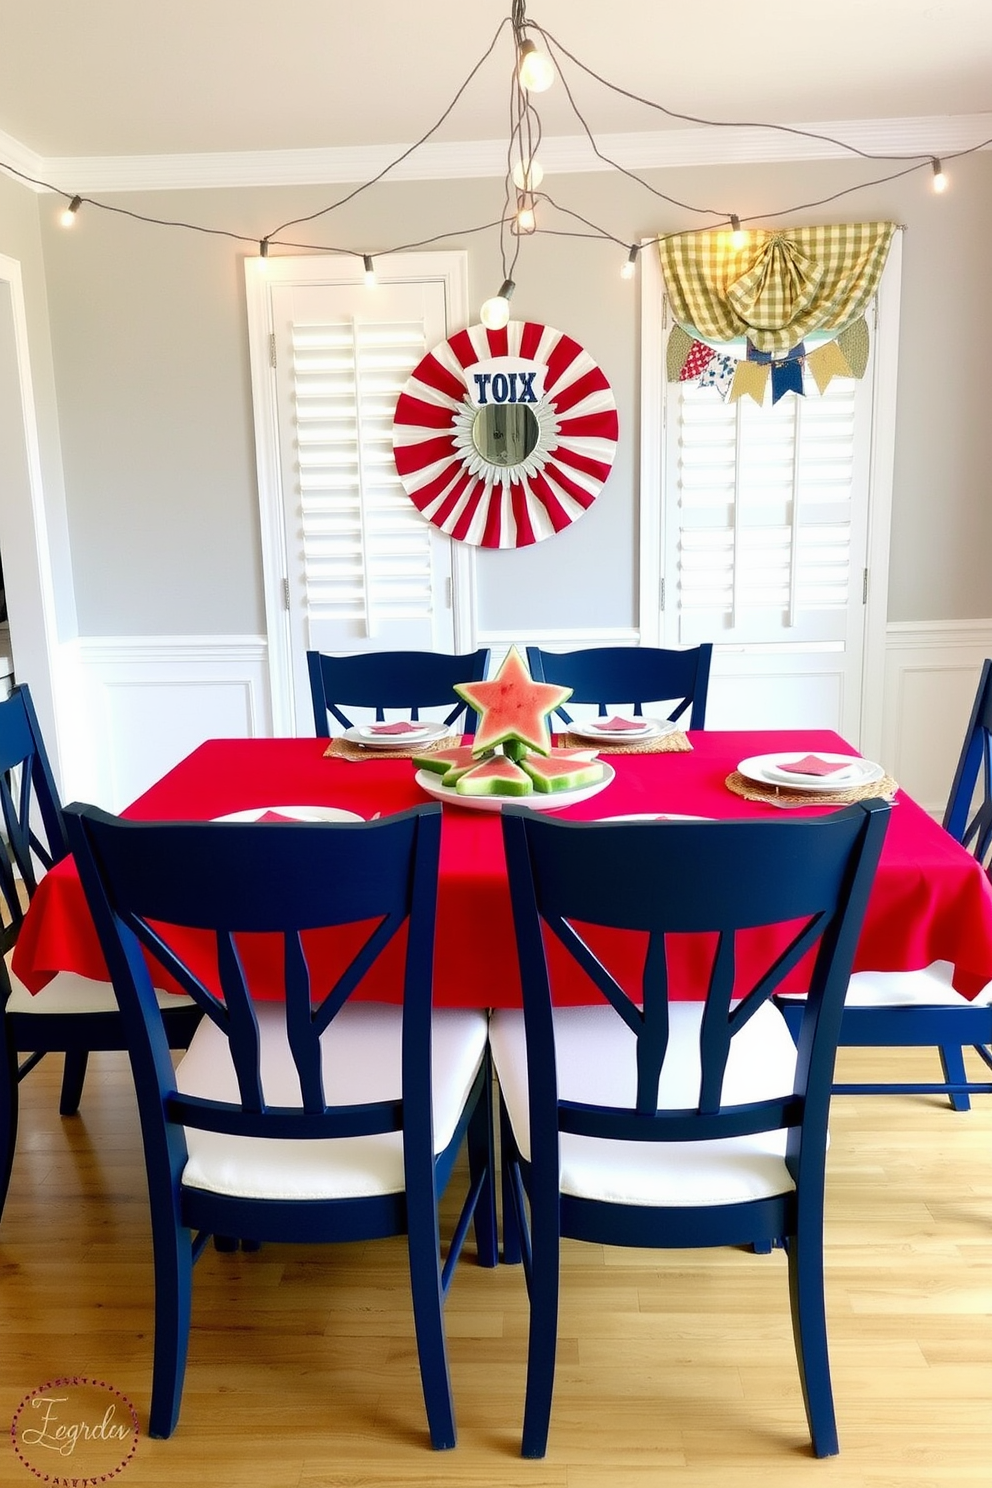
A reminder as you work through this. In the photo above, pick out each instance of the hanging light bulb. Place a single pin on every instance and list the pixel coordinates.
(737, 237)
(630, 264)
(369, 269)
(535, 70)
(528, 174)
(69, 215)
(939, 179)
(495, 313)
(525, 221)
(263, 254)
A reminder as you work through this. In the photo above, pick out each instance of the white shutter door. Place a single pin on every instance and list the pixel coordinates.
(365, 571)
(766, 523)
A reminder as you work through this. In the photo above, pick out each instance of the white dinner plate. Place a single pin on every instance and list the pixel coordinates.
(295, 813)
(764, 769)
(363, 734)
(430, 781)
(655, 728)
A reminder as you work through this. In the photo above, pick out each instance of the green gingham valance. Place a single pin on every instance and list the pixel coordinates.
(779, 286)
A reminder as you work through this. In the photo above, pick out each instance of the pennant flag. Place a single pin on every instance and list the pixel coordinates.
(679, 347)
(699, 357)
(854, 344)
(826, 363)
(719, 373)
(787, 377)
(750, 379)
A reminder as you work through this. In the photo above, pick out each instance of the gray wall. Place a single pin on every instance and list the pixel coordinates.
(150, 356)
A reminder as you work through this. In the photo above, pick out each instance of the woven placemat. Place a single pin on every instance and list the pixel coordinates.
(776, 795)
(344, 749)
(675, 743)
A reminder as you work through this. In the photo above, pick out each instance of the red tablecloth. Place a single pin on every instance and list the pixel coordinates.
(931, 900)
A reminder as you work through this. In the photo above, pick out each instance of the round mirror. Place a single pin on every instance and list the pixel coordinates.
(504, 433)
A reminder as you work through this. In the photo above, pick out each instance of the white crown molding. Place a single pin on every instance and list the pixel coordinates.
(942, 135)
(17, 161)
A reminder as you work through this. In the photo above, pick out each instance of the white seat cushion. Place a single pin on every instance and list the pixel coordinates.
(68, 992)
(361, 1062)
(929, 987)
(595, 1053)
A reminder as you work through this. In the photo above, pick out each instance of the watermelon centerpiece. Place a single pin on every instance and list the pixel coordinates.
(511, 754)
(512, 706)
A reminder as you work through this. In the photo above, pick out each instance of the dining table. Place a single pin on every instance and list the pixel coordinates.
(930, 901)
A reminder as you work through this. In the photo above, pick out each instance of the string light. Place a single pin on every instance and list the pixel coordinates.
(495, 313)
(263, 254)
(369, 270)
(525, 221)
(536, 70)
(737, 237)
(629, 268)
(528, 174)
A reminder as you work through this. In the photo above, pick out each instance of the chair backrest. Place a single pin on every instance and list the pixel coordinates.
(33, 834)
(635, 675)
(409, 680)
(187, 891)
(772, 891)
(970, 821)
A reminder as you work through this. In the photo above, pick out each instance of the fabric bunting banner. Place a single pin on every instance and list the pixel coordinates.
(690, 360)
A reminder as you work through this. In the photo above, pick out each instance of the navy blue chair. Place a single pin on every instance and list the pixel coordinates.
(314, 1118)
(921, 1009)
(72, 1015)
(407, 680)
(650, 1121)
(629, 675)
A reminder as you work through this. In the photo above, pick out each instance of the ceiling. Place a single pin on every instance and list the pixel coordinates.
(91, 78)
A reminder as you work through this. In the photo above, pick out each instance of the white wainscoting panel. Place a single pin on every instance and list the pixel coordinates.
(931, 673)
(751, 689)
(144, 702)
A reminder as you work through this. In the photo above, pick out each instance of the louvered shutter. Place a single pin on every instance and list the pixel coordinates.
(366, 549)
(364, 568)
(765, 530)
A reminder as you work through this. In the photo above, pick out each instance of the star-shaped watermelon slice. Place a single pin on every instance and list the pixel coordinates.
(512, 705)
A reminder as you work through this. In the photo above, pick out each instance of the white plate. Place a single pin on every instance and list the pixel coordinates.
(362, 734)
(656, 728)
(295, 813)
(429, 781)
(764, 768)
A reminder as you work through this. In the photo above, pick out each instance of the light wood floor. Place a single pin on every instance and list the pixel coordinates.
(675, 1368)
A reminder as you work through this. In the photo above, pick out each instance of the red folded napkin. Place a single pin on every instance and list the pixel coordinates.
(273, 816)
(400, 727)
(620, 725)
(812, 764)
